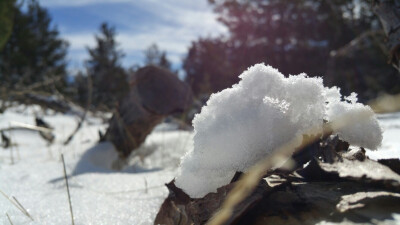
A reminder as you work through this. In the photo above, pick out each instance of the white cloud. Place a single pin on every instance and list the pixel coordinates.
(80, 40)
(63, 3)
(174, 25)
(175, 45)
(150, 4)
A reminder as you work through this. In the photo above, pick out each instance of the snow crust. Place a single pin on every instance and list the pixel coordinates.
(244, 123)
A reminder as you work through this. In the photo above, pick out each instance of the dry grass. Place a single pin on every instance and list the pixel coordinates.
(9, 219)
(69, 195)
(17, 204)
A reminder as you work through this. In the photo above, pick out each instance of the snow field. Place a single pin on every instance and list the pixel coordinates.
(237, 127)
(98, 194)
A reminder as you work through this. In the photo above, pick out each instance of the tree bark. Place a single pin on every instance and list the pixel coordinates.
(388, 12)
(155, 93)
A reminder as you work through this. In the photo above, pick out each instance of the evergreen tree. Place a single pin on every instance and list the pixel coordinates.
(80, 86)
(34, 52)
(108, 77)
(153, 56)
(293, 36)
(164, 62)
(6, 20)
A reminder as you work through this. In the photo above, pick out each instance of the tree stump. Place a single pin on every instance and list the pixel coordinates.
(154, 94)
(346, 189)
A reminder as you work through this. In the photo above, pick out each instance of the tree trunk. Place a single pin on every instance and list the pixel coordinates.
(388, 12)
(155, 93)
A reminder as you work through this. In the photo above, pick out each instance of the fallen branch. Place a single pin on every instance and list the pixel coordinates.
(19, 125)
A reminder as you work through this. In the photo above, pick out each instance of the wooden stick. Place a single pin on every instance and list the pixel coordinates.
(69, 195)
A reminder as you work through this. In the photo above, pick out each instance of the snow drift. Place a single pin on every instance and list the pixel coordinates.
(244, 123)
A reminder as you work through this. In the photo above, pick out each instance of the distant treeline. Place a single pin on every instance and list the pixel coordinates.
(340, 40)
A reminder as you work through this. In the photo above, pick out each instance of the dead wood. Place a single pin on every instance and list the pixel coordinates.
(180, 209)
(348, 188)
(155, 93)
(393, 164)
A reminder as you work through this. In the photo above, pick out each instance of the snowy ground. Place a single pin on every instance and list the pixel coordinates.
(390, 148)
(99, 195)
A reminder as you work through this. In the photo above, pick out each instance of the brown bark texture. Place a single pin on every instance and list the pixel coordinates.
(388, 12)
(339, 185)
(155, 93)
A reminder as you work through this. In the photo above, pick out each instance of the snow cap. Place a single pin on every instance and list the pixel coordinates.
(245, 123)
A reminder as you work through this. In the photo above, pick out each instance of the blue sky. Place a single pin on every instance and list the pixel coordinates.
(172, 24)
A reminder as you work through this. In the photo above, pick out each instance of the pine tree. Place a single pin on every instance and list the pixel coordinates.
(293, 36)
(6, 21)
(164, 62)
(108, 77)
(34, 52)
(154, 56)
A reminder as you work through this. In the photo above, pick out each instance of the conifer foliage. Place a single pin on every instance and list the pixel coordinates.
(108, 77)
(34, 52)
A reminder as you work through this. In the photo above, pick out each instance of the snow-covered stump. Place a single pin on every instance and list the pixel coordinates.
(264, 111)
(155, 93)
(351, 187)
(269, 116)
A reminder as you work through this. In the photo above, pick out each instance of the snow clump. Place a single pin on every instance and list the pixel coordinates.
(245, 123)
